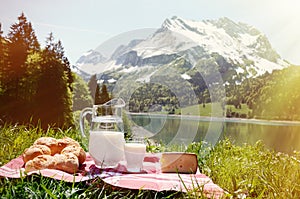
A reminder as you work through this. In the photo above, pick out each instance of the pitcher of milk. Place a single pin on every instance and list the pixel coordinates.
(106, 134)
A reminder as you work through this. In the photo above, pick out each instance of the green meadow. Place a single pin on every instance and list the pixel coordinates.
(247, 171)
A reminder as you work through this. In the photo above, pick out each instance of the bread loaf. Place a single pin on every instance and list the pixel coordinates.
(64, 142)
(40, 162)
(66, 162)
(35, 151)
(49, 153)
(49, 142)
(77, 151)
(178, 162)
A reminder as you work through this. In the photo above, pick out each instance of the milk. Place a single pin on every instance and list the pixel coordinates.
(106, 147)
(134, 155)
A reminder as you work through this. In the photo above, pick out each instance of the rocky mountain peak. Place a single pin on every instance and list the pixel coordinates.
(242, 47)
(91, 57)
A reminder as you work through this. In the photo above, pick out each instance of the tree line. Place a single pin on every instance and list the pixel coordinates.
(37, 85)
(35, 82)
(271, 96)
(274, 95)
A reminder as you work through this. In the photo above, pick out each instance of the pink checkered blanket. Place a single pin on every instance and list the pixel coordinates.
(150, 178)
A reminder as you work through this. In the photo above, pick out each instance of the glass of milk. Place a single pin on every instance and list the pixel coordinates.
(134, 155)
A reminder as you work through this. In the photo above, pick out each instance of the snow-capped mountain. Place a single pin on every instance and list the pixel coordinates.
(91, 57)
(234, 48)
(239, 44)
(236, 42)
(89, 62)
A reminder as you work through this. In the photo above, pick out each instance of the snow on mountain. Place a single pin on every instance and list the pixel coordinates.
(89, 62)
(185, 76)
(235, 46)
(236, 42)
(91, 57)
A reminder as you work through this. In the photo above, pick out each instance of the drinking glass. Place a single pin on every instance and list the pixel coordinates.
(134, 155)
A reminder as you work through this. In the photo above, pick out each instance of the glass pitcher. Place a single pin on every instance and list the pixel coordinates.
(106, 134)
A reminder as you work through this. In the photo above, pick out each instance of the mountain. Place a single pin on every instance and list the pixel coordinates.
(91, 57)
(193, 51)
(85, 64)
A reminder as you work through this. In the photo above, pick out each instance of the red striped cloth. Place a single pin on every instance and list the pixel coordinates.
(150, 178)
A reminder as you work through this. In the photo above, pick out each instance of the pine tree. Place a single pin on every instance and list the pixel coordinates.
(93, 86)
(20, 42)
(104, 96)
(97, 99)
(53, 98)
(101, 96)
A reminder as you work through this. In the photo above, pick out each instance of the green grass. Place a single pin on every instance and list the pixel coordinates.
(197, 110)
(36, 186)
(250, 171)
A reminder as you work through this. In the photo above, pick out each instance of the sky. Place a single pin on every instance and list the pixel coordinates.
(82, 25)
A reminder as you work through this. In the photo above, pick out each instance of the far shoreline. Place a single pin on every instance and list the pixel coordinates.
(220, 119)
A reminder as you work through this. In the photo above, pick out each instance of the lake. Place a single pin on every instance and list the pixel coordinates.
(175, 129)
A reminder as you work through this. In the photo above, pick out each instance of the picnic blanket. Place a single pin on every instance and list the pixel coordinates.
(150, 178)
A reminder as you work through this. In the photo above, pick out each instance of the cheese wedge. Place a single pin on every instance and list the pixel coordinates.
(178, 162)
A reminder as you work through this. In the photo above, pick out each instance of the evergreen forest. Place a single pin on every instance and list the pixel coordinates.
(272, 96)
(35, 82)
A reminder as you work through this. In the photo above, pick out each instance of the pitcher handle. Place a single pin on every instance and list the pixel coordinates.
(83, 114)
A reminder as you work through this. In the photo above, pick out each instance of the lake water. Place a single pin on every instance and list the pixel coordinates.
(171, 129)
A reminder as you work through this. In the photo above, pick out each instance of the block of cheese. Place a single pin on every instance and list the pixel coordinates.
(178, 162)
